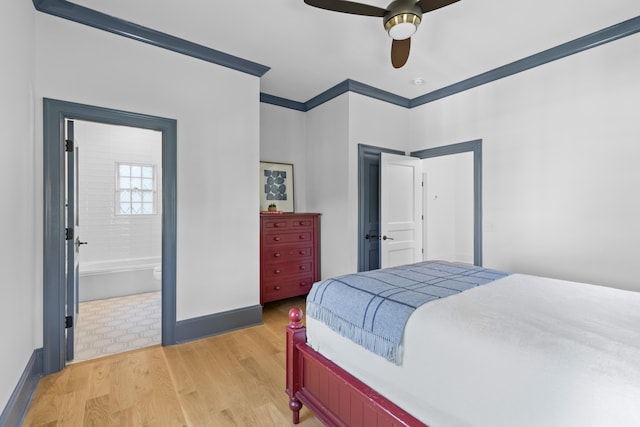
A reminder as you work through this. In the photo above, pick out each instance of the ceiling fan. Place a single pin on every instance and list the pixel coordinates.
(401, 19)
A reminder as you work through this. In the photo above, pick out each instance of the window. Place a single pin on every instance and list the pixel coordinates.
(135, 189)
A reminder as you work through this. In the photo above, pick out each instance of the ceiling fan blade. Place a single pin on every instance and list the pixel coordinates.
(400, 52)
(347, 7)
(429, 5)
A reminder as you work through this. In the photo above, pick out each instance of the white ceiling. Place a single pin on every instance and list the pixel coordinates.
(311, 50)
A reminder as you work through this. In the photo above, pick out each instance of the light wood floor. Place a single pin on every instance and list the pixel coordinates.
(234, 379)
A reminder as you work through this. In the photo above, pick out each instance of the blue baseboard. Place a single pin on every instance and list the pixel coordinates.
(16, 408)
(215, 324)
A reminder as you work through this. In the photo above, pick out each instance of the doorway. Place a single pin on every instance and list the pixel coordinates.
(448, 207)
(369, 206)
(474, 147)
(55, 292)
(119, 195)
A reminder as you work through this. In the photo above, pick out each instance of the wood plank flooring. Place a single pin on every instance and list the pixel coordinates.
(233, 379)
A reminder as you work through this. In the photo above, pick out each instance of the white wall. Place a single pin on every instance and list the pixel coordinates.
(560, 155)
(327, 160)
(217, 111)
(448, 208)
(334, 130)
(114, 237)
(20, 308)
(282, 140)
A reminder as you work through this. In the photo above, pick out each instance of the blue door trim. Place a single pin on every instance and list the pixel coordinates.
(55, 112)
(476, 148)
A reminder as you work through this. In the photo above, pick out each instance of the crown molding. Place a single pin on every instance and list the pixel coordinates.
(598, 38)
(83, 15)
(282, 102)
(337, 90)
(572, 47)
(102, 21)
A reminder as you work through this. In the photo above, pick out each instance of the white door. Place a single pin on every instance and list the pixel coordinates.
(400, 210)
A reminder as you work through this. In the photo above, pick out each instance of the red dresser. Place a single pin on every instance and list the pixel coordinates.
(289, 255)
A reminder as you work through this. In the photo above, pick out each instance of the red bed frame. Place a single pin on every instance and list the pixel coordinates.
(336, 397)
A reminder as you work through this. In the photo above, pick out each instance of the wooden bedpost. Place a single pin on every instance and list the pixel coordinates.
(296, 334)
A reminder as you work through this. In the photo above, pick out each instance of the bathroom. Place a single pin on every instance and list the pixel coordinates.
(120, 214)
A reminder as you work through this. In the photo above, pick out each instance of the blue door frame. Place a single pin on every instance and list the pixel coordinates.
(54, 286)
(364, 200)
(475, 147)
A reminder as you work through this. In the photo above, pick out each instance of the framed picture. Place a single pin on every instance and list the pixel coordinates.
(276, 186)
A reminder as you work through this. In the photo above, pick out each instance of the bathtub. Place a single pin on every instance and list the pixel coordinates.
(117, 278)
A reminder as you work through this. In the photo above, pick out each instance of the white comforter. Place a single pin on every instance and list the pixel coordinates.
(521, 351)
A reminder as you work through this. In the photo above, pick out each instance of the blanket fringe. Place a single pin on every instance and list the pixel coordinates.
(372, 342)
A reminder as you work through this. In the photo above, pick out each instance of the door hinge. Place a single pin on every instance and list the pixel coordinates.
(68, 233)
(68, 322)
(68, 145)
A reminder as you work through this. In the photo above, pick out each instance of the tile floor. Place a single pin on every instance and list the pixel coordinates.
(115, 325)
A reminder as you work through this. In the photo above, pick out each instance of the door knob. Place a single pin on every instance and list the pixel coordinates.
(82, 243)
(387, 238)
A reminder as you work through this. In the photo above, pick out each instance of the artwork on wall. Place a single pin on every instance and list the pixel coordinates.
(276, 187)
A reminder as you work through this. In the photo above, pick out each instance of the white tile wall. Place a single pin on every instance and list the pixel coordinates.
(115, 237)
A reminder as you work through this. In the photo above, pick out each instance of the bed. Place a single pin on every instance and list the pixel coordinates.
(519, 350)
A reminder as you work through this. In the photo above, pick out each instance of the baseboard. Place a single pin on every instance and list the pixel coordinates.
(215, 324)
(18, 403)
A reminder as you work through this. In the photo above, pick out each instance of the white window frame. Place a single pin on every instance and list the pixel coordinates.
(131, 189)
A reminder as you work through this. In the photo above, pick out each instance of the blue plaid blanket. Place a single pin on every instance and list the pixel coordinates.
(372, 308)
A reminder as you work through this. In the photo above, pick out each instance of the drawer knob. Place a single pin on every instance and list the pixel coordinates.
(276, 271)
(277, 254)
(277, 239)
(303, 284)
(277, 288)
(301, 237)
(303, 267)
(302, 252)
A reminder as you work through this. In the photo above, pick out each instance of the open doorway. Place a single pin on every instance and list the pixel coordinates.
(119, 191)
(369, 202)
(369, 205)
(58, 297)
(447, 206)
(469, 170)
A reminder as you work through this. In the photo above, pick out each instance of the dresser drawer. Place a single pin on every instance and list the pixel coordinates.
(287, 223)
(277, 270)
(275, 224)
(278, 289)
(275, 238)
(279, 253)
(298, 223)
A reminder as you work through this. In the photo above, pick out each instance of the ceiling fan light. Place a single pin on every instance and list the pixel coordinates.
(402, 26)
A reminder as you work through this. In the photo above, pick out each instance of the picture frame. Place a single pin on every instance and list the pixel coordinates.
(276, 186)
